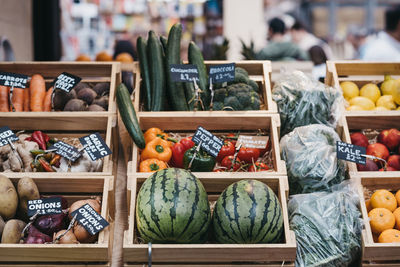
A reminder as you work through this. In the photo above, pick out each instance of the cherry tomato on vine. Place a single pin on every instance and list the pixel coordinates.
(228, 149)
(258, 167)
(227, 163)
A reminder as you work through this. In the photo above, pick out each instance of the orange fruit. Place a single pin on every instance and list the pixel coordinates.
(396, 214)
(383, 199)
(83, 57)
(124, 57)
(103, 56)
(397, 196)
(368, 205)
(389, 236)
(381, 219)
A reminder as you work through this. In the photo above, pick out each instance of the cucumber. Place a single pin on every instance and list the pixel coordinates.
(157, 74)
(164, 42)
(128, 116)
(196, 58)
(144, 71)
(189, 95)
(176, 93)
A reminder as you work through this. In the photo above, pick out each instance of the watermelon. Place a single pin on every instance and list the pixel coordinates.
(248, 212)
(172, 207)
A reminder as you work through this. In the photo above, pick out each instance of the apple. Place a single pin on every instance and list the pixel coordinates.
(359, 139)
(390, 138)
(378, 150)
(394, 161)
(388, 169)
(370, 166)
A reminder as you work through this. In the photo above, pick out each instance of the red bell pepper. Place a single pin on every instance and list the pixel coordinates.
(179, 149)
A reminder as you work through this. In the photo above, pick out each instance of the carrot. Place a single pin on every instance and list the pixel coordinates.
(4, 107)
(26, 100)
(18, 99)
(47, 100)
(37, 91)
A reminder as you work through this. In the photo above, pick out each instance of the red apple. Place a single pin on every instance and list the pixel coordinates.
(388, 169)
(370, 166)
(359, 139)
(378, 150)
(394, 161)
(390, 138)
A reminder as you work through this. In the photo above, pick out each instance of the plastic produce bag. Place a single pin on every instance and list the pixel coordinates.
(327, 226)
(311, 162)
(303, 100)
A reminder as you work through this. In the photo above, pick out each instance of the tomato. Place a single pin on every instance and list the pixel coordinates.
(258, 167)
(232, 138)
(187, 142)
(267, 148)
(249, 155)
(227, 163)
(218, 170)
(228, 149)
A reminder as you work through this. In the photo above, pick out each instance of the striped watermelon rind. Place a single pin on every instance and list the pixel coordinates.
(248, 212)
(172, 207)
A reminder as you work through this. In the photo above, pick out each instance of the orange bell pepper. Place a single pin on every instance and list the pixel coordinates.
(152, 165)
(153, 133)
(157, 149)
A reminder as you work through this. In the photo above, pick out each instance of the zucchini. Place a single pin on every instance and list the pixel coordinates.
(196, 58)
(176, 93)
(164, 42)
(128, 116)
(144, 71)
(157, 74)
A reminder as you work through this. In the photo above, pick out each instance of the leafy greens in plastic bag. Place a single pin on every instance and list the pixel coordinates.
(327, 226)
(311, 162)
(302, 101)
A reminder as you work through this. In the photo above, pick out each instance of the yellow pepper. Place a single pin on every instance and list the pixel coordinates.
(152, 165)
(154, 133)
(157, 149)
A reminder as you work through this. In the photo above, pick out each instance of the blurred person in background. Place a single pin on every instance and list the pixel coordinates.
(357, 36)
(386, 46)
(278, 48)
(319, 58)
(305, 40)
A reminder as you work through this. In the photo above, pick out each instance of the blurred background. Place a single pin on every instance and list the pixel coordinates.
(223, 29)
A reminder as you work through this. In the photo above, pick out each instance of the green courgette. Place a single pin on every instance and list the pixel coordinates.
(128, 116)
(196, 58)
(144, 71)
(157, 74)
(176, 93)
(164, 42)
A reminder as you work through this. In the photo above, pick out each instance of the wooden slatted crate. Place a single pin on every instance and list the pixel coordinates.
(259, 71)
(377, 254)
(73, 188)
(267, 254)
(361, 73)
(185, 123)
(68, 127)
(363, 120)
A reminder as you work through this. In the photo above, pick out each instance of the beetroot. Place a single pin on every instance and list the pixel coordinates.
(36, 237)
(370, 166)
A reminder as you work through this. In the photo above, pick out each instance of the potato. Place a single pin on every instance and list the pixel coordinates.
(12, 231)
(2, 223)
(27, 190)
(8, 198)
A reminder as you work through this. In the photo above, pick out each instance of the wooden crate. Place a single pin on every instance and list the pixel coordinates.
(73, 188)
(377, 254)
(360, 72)
(68, 128)
(92, 72)
(224, 122)
(259, 71)
(135, 253)
(356, 121)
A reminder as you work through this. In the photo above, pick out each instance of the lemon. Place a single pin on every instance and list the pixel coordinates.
(354, 108)
(386, 101)
(350, 90)
(380, 109)
(388, 86)
(398, 108)
(396, 92)
(371, 91)
(363, 102)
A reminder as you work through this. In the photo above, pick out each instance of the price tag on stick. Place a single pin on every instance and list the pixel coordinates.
(250, 141)
(183, 72)
(95, 146)
(7, 136)
(351, 152)
(222, 73)
(209, 142)
(46, 206)
(66, 150)
(90, 219)
(66, 82)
